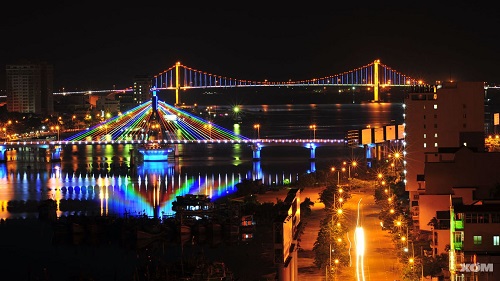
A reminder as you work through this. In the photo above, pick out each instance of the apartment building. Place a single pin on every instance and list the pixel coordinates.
(439, 117)
(30, 87)
(142, 89)
(475, 241)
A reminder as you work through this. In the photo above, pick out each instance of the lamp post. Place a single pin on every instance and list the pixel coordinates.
(353, 164)
(336, 211)
(257, 127)
(343, 171)
(57, 128)
(313, 127)
(338, 175)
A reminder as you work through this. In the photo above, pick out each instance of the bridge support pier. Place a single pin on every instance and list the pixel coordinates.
(313, 166)
(256, 152)
(312, 149)
(2, 154)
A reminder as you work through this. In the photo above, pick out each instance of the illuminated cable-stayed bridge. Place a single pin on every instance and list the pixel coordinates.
(180, 77)
(156, 127)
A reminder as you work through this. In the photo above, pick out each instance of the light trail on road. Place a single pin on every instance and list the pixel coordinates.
(350, 248)
(359, 236)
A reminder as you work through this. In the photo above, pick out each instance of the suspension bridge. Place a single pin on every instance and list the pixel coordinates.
(180, 78)
(157, 124)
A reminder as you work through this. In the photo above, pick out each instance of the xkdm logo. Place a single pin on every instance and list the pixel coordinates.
(476, 267)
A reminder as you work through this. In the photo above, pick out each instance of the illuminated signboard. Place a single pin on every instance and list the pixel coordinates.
(366, 136)
(378, 135)
(401, 130)
(390, 132)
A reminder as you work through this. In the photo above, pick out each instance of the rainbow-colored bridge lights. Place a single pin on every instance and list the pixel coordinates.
(135, 124)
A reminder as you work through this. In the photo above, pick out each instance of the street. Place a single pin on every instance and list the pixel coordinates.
(380, 259)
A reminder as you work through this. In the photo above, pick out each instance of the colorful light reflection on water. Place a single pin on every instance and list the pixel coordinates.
(149, 192)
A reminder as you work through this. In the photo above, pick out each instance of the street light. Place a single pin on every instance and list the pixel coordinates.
(338, 175)
(343, 171)
(353, 164)
(57, 128)
(257, 126)
(313, 127)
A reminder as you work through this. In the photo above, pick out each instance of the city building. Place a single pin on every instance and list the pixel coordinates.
(452, 180)
(475, 235)
(107, 107)
(142, 89)
(286, 232)
(443, 116)
(464, 174)
(30, 87)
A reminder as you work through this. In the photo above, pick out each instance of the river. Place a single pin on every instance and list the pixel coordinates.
(90, 180)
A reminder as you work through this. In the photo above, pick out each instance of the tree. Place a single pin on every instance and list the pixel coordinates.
(305, 206)
(433, 266)
(433, 222)
(331, 242)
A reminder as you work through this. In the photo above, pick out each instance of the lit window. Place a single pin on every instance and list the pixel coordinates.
(478, 239)
(496, 240)
(425, 145)
(436, 135)
(435, 144)
(425, 136)
(435, 106)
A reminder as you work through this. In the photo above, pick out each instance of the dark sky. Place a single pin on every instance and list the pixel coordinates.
(98, 46)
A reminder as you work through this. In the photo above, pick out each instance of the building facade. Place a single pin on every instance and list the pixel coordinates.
(448, 115)
(142, 89)
(30, 87)
(475, 236)
(286, 232)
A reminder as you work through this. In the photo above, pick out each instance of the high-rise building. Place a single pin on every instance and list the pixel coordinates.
(448, 115)
(30, 87)
(142, 89)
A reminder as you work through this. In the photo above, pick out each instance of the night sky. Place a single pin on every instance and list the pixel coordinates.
(99, 46)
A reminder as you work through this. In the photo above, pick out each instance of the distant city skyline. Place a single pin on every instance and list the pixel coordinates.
(105, 47)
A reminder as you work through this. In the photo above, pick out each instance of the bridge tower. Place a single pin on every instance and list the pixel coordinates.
(177, 84)
(376, 81)
(153, 149)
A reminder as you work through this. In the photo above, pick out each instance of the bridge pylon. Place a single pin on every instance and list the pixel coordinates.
(376, 80)
(177, 83)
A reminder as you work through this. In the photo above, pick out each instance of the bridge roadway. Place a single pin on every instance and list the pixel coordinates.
(54, 147)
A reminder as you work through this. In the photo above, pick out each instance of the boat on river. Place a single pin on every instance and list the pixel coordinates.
(156, 151)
